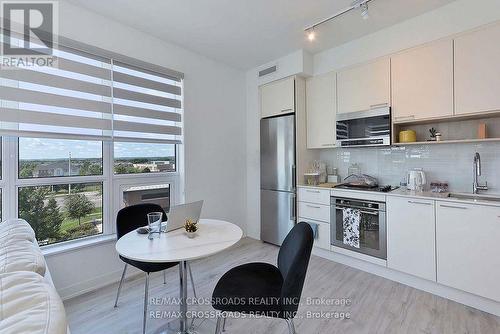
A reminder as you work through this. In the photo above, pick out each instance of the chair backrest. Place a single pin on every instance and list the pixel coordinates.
(293, 259)
(134, 216)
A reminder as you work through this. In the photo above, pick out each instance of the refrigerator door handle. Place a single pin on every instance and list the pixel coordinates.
(292, 207)
(294, 177)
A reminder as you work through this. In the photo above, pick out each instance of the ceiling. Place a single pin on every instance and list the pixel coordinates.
(248, 33)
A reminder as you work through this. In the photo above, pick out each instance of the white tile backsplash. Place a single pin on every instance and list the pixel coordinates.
(443, 162)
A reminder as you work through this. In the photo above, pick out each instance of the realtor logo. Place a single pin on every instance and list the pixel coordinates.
(28, 33)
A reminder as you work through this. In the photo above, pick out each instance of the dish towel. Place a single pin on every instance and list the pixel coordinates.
(351, 221)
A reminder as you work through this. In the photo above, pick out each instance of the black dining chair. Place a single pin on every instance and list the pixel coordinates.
(129, 219)
(263, 289)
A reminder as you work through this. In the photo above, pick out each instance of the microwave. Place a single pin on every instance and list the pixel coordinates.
(364, 128)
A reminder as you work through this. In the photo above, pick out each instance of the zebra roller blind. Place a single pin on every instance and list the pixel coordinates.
(89, 96)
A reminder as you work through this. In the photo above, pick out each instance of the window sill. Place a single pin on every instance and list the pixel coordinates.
(71, 246)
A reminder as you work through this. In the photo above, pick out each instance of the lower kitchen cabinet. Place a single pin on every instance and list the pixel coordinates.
(322, 239)
(411, 236)
(468, 243)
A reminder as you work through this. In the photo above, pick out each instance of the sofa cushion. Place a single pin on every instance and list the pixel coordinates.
(16, 229)
(21, 255)
(29, 304)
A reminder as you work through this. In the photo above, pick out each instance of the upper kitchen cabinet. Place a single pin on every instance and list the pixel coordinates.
(364, 87)
(477, 71)
(422, 82)
(321, 108)
(277, 97)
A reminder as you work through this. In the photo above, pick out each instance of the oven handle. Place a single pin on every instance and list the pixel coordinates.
(355, 207)
(373, 213)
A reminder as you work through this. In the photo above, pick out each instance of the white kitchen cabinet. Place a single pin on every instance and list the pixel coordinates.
(322, 239)
(278, 97)
(314, 195)
(314, 211)
(364, 87)
(321, 109)
(411, 236)
(477, 71)
(422, 82)
(467, 238)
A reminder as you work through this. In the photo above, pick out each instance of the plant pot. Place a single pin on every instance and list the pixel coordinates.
(190, 235)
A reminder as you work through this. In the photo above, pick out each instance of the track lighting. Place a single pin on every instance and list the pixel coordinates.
(361, 4)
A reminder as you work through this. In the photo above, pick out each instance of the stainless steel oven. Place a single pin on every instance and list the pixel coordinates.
(372, 225)
(364, 128)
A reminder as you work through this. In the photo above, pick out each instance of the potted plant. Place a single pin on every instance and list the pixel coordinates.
(191, 228)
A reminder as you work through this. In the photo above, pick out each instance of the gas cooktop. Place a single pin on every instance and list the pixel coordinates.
(380, 189)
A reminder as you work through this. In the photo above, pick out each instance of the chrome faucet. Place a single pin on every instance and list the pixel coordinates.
(477, 172)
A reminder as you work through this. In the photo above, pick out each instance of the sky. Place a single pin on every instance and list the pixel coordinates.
(48, 148)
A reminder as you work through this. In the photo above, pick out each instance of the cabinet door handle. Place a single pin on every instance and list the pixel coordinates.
(404, 117)
(453, 207)
(285, 110)
(313, 207)
(327, 144)
(379, 105)
(313, 191)
(420, 203)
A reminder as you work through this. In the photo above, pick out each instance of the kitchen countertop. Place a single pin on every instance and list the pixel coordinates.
(401, 192)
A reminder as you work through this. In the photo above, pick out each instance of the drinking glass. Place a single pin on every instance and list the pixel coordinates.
(154, 221)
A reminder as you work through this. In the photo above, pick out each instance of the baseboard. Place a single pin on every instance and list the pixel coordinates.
(462, 297)
(95, 283)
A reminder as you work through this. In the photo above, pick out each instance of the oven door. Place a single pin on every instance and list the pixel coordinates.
(372, 226)
(366, 128)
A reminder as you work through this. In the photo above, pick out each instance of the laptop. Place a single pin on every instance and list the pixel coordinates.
(179, 213)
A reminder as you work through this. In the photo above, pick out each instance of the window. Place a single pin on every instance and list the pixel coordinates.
(61, 212)
(46, 157)
(73, 130)
(133, 158)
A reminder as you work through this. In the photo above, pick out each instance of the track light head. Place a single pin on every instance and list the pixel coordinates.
(364, 11)
(311, 35)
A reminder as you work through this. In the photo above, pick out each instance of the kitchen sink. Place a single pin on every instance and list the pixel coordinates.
(475, 197)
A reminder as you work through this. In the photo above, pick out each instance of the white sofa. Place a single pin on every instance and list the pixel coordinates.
(29, 302)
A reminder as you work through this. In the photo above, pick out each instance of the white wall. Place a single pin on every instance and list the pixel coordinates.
(214, 107)
(458, 16)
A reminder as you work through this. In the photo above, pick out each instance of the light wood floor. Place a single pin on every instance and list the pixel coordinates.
(378, 305)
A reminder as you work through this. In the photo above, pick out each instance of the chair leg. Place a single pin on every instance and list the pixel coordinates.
(192, 281)
(146, 288)
(224, 324)
(291, 326)
(217, 326)
(164, 277)
(120, 285)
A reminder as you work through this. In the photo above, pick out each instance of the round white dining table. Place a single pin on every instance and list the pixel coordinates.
(213, 236)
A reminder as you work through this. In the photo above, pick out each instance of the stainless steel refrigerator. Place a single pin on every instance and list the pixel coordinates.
(277, 178)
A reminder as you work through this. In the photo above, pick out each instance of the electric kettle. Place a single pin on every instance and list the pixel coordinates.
(415, 180)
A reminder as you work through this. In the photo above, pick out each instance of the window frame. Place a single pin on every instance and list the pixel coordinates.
(57, 177)
(76, 239)
(176, 156)
(113, 185)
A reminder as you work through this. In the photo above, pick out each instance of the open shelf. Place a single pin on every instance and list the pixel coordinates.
(453, 131)
(457, 141)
